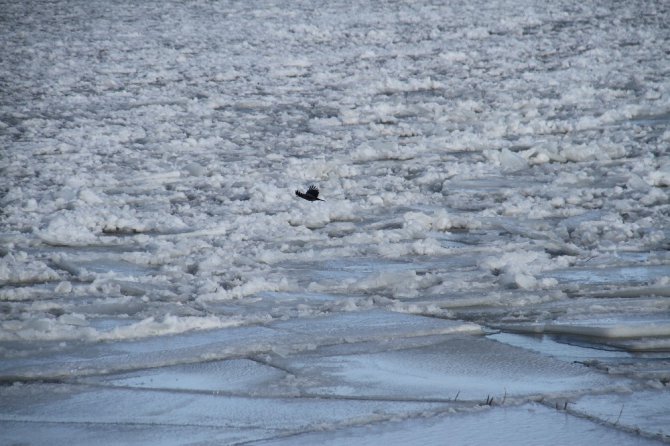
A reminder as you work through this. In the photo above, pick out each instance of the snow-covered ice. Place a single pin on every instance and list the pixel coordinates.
(492, 253)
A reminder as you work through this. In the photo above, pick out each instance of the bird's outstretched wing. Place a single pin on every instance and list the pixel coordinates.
(313, 191)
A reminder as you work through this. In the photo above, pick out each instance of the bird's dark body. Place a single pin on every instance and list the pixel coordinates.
(312, 194)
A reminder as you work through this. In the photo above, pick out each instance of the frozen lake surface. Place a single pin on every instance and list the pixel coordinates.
(491, 263)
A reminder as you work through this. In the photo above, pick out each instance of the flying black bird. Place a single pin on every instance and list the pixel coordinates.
(311, 195)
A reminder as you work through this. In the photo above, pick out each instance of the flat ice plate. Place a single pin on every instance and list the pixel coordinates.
(530, 424)
(454, 367)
